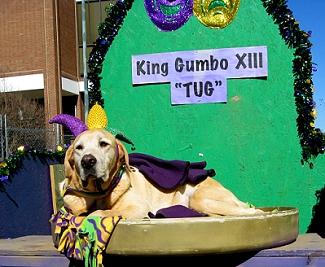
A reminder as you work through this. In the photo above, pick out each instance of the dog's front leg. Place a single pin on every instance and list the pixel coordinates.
(129, 213)
(130, 205)
(105, 213)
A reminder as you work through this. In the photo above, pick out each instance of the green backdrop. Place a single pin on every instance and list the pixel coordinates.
(251, 141)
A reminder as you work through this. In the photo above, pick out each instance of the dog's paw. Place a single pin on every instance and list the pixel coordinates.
(104, 213)
(255, 211)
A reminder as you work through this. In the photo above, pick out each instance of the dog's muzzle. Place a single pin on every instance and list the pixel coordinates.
(88, 161)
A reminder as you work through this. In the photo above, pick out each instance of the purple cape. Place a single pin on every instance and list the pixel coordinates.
(169, 174)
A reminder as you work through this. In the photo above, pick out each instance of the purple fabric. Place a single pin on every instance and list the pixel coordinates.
(177, 211)
(169, 174)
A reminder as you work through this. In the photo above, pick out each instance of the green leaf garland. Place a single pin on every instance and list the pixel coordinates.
(13, 162)
(311, 138)
(107, 30)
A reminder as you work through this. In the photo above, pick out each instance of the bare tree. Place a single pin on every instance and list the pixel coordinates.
(25, 121)
(22, 112)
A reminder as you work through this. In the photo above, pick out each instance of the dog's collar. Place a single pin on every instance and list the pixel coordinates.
(67, 189)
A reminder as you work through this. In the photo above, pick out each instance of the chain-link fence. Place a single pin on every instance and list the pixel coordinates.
(12, 138)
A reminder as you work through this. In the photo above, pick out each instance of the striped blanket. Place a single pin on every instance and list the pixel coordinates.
(83, 238)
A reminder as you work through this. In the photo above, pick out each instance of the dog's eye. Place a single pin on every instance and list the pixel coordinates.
(79, 147)
(103, 144)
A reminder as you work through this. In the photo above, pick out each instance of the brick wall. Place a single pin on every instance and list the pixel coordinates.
(22, 37)
(68, 38)
(52, 70)
(40, 36)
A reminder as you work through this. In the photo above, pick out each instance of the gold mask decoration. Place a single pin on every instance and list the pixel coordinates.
(215, 13)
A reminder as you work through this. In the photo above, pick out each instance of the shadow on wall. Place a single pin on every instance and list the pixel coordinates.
(317, 223)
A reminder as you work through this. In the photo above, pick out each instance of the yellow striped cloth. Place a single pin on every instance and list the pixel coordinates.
(84, 238)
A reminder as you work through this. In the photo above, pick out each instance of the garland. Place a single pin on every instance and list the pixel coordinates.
(311, 138)
(13, 162)
(107, 30)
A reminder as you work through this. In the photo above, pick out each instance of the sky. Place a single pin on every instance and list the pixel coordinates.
(310, 14)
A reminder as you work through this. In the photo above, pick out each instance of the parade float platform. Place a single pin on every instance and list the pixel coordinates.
(270, 239)
(204, 235)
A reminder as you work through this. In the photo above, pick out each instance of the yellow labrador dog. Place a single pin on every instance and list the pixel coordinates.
(94, 162)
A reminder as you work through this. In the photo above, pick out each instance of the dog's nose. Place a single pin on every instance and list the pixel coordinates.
(88, 161)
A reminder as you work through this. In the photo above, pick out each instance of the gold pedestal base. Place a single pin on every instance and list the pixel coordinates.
(204, 235)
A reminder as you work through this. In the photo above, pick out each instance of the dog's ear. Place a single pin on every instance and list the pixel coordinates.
(69, 162)
(123, 155)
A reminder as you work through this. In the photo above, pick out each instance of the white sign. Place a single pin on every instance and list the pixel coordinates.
(200, 76)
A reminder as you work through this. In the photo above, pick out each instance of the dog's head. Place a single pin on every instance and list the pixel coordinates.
(94, 159)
